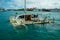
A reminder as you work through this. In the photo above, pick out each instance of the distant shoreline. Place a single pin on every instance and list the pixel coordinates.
(32, 9)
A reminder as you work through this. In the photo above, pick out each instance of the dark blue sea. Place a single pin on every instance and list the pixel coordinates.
(32, 31)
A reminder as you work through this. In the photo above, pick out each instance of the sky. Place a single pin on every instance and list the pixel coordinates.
(16, 4)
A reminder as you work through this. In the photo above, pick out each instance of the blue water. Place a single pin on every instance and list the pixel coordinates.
(32, 31)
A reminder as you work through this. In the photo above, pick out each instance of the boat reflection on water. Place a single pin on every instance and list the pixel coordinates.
(21, 29)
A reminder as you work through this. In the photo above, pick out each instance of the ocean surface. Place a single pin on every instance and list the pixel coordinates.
(32, 31)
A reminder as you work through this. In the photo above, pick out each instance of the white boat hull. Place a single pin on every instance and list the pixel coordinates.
(17, 22)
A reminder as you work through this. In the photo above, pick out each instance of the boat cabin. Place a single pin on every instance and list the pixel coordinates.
(28, 17)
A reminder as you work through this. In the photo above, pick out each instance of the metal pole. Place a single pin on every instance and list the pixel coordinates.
(24, 8)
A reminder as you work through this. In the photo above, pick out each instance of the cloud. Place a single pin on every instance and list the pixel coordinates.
(45, 3)
(16, 4)
(30, 3)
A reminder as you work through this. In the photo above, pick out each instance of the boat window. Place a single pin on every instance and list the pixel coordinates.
(22, 16)
(34, 16)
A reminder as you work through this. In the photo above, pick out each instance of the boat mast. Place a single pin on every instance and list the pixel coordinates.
(24, 8)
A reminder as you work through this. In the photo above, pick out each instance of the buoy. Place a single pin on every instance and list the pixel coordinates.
(16, 14)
